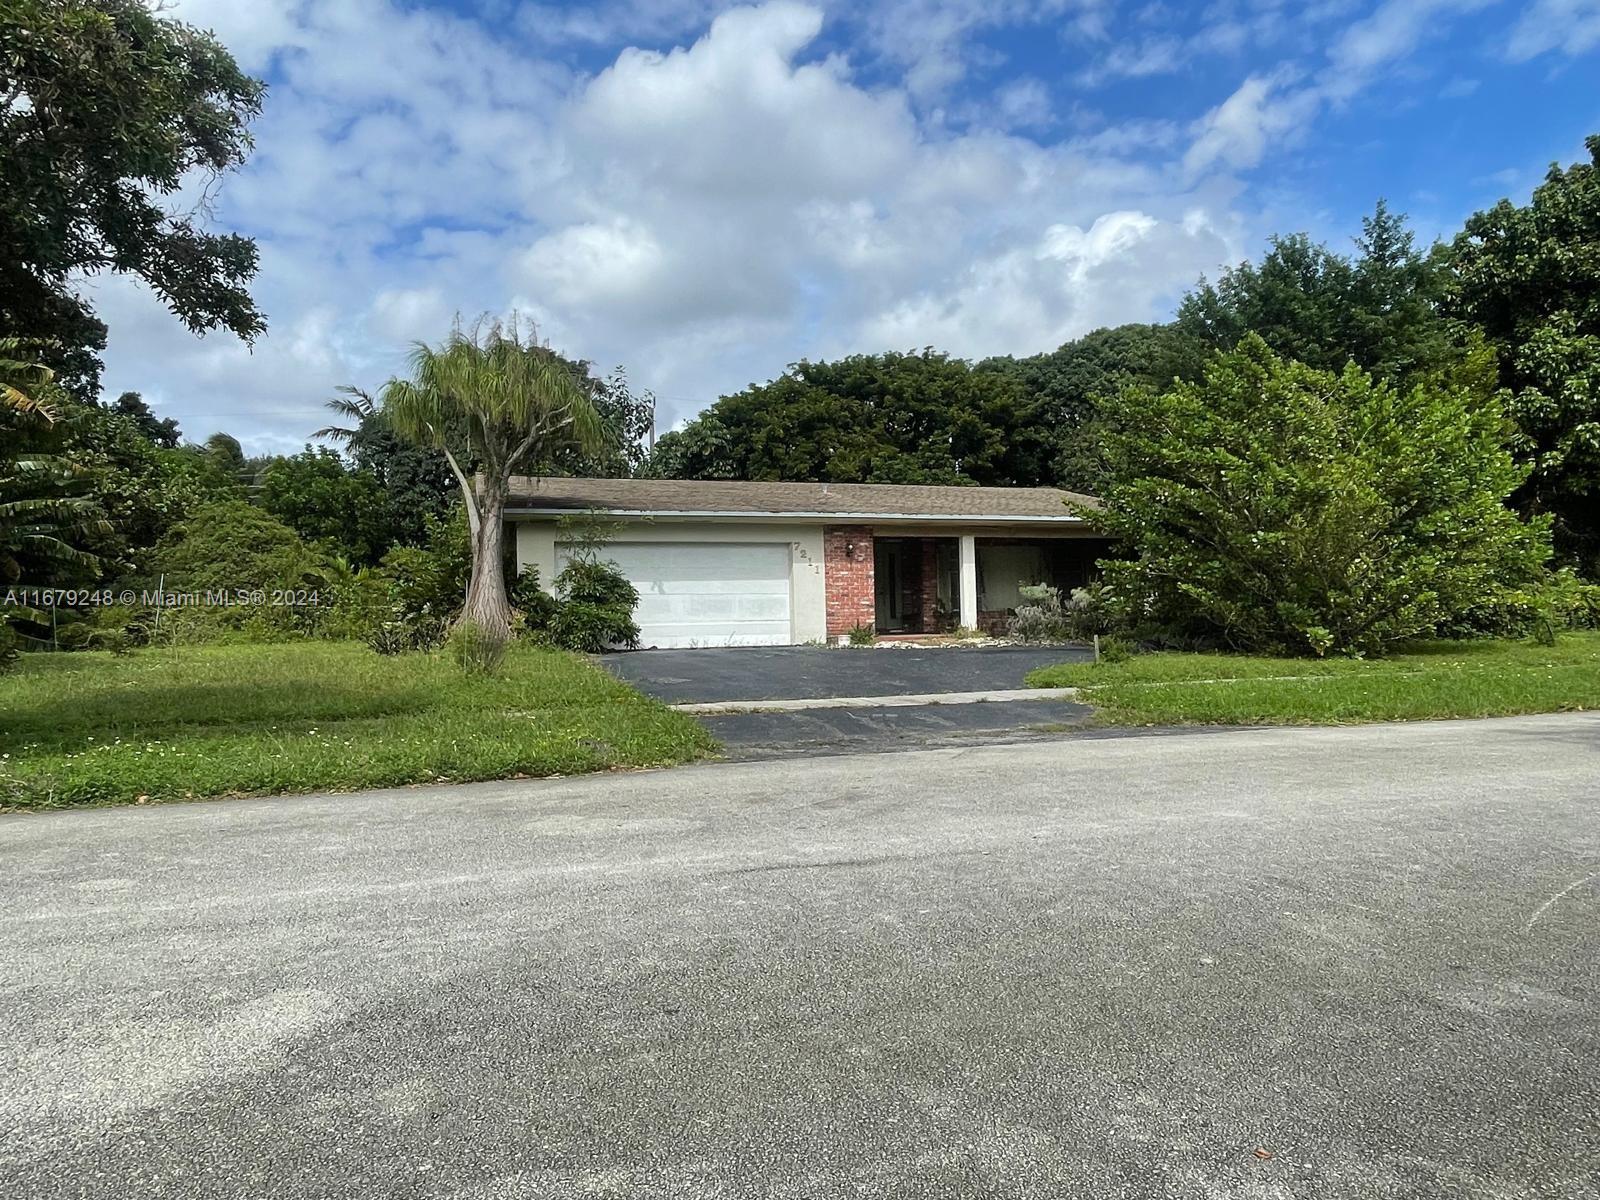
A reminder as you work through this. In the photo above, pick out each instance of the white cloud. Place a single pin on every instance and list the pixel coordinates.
(704, 214)
(1069, 281)
(1238, 132)
(1571, 27)
(1392, 32)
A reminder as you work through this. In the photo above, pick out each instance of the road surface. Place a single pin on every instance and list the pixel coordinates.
(1285, 963)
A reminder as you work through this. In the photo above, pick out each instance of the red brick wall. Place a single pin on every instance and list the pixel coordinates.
(930, 586)
(851, 599)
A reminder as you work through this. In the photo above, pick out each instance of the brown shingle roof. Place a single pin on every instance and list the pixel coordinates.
(825, 499)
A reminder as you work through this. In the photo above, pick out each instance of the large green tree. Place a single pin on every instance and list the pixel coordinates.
(493, 400)
(415, 479)
(161, 431)
(107, 107)
(870, 418)
(1275, 507)
(323, 499)
(1529, 276)
(1057, 438)
(627, 418)
(1379, 309)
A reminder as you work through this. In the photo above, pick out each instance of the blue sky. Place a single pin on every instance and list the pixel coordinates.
(705, 192)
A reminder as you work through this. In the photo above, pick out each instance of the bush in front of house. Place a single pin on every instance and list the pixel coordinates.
(1084, 614)
(1277, 508)
(592, 610)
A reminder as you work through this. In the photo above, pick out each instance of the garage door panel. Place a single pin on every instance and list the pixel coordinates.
(707, 593)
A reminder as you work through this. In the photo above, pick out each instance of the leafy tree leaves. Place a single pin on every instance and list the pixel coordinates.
(108, 107)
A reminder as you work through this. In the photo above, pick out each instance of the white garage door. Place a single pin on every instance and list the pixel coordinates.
(707, 593)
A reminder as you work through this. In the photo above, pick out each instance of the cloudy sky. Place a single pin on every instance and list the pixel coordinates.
(705, 192)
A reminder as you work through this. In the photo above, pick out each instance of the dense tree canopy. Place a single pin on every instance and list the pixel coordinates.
(878, 418)
(1275, 507)
(1529, 277)
(162, 431)
(106, 106)
(1057, 439)
(1379, 309)
(323, 499)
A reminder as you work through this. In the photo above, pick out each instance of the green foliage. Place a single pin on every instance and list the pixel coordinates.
(626, 418)
(324, 500)
(862, 634)
(1379, 310)
(123, 104)
(1529, 276)
(592, 628)
(880, 418)
(415, 481)
(428, 581)
(158, 431)
(1276, 507)
(234, 547)
(138, 489)
(536, 605)
(1047, 617)
(46, 521)
(1057, 436)
(594, 611)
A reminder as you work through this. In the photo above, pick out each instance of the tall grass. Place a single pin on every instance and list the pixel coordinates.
(184, 722)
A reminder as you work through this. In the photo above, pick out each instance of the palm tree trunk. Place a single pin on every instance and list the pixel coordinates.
(488, 606)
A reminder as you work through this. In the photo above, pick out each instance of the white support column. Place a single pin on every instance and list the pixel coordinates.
(968, 575)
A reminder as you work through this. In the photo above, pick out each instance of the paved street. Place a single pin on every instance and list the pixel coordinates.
(1282, 963)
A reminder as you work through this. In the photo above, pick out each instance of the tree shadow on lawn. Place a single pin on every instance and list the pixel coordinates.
(68, 722)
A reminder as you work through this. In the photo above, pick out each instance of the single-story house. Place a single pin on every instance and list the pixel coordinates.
(772, 564)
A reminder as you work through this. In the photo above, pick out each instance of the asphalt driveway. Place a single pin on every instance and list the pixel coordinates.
(1330, 964)
(817, 672)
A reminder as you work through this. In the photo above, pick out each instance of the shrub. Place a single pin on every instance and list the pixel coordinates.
(1046, 617)
(862, 635)
(536, 605)
(595, 609)
(1115, 650)
(592, 628)
(231, 547)
(396, 636)
(592, 582)
(1277, 508)
(428, 583)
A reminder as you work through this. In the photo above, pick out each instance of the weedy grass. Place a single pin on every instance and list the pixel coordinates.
(191, 722)
(1421, 681)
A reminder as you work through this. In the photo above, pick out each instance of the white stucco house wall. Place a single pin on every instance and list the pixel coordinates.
(734, 563)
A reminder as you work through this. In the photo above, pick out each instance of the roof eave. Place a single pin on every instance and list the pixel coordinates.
(520, 510)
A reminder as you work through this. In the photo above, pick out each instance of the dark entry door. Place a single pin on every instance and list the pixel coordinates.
(888, 571)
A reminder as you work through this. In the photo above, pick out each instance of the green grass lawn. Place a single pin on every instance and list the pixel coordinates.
(1421, 681)
(165, 724)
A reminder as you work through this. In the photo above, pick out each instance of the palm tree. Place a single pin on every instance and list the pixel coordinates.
(19, 379)
(493, 400)
(37, 515)
(353, 404)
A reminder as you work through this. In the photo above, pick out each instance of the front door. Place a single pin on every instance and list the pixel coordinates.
(888, 572)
